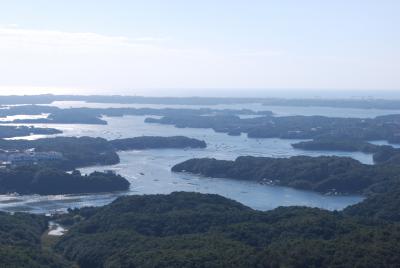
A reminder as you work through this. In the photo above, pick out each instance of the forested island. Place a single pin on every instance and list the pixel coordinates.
(205, 230)
(324, 174)
(38, 166)
(94, 116)
(21, 131)
(50, 181)
(293, 127)
(154, 142)
(78, 152)
(264, 125)
(346, 145)
(382, 154)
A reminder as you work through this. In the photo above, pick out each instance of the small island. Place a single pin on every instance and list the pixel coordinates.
(21, 131)
(382, 154)
(346, 145)
(48, 181)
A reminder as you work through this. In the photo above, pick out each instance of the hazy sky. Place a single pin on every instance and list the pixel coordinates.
(97, 46)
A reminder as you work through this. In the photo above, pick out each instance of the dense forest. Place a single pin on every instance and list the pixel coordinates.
(20, 242)
(324, 174)
(49, 181)
(205, 230)
(198, 230)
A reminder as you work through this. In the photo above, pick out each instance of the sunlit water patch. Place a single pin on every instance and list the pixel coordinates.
(23, 117)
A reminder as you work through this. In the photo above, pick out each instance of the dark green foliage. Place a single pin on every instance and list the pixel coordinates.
(188, 213)
(384, 206)
(20, 242)
(322, 174)
(204, 230)
(42, 180)
(387, 154)
(363, 247)
(197, 230)
(158, 230)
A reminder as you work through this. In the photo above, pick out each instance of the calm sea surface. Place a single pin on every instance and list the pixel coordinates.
(149, 170)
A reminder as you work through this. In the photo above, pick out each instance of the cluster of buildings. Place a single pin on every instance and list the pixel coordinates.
(28, 157)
